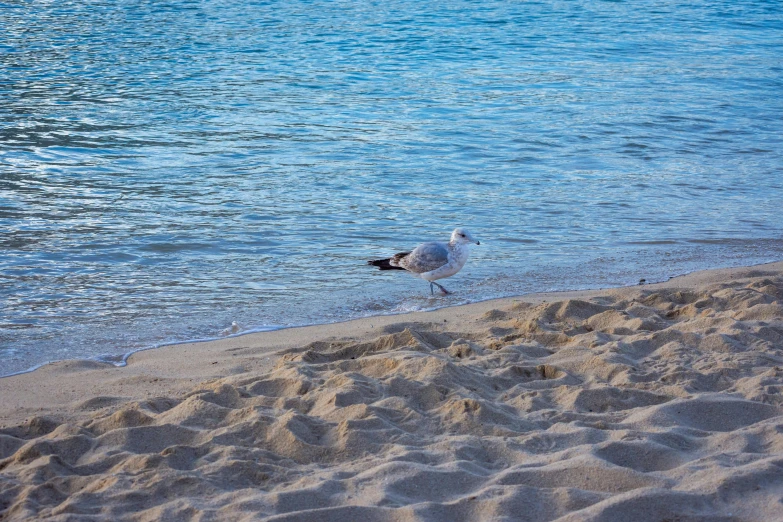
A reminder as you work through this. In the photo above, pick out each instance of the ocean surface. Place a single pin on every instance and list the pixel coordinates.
(167, 168)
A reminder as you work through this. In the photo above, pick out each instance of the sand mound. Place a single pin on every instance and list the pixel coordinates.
(651, 404)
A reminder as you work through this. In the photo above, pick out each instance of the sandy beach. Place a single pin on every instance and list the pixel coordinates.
(658, 402)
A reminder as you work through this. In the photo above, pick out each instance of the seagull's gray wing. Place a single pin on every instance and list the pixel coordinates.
(426, 257)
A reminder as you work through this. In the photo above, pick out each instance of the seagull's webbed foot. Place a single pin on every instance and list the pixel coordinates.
(445, 292)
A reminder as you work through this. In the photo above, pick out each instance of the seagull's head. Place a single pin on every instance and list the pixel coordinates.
(462, 236)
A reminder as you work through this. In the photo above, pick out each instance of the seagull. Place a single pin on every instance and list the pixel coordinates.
(432, 260)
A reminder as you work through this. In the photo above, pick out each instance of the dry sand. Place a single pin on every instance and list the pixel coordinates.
(659, 403)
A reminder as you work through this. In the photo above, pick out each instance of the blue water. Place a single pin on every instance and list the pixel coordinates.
(169, 167)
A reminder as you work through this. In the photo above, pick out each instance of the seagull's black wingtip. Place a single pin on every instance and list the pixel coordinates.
(384, 264)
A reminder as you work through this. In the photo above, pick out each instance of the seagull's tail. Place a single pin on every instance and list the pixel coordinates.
(385, 264)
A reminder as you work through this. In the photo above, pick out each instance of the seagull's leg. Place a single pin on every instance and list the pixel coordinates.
(432, 292)
(441, 288)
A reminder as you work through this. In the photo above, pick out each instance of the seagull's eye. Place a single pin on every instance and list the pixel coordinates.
(463, 235)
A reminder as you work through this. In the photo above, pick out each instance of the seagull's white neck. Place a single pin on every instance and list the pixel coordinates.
(459, 251)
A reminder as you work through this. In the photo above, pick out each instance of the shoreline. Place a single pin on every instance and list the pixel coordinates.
(271, 341)
(124, 357)
(664, 399)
